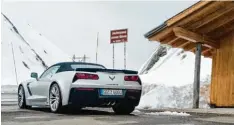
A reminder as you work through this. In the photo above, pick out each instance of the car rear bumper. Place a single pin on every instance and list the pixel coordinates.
(89, 97)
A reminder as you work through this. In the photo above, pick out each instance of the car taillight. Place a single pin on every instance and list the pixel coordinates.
(85, 76)
(131, 78)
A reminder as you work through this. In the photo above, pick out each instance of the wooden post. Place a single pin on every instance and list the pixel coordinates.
(196, 84)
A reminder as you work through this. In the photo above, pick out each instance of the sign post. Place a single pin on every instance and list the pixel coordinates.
(97, 48)
(124, 55)
(113, 56)
(119, 36)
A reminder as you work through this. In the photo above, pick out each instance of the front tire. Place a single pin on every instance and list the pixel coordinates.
(123, 109)
(55, 99)
(21, 98)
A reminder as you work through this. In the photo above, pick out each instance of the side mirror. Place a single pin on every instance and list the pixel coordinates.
(34, 75)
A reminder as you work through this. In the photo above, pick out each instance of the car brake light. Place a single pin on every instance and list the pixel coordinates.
(131, 78)
(85, 76)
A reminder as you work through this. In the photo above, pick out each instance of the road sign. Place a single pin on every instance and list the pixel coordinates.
(119, 36)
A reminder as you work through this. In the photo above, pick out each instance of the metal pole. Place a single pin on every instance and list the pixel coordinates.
(97, 48)
(16, 77)
(113, 55)
(84, 58)
(196, 84)
(74, 58)
(125, 55)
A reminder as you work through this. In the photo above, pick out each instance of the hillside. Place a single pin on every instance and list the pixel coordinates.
(31, 51)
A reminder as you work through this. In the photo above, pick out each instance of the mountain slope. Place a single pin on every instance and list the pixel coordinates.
(31, 51)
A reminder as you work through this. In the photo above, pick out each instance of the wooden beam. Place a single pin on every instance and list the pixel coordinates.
(184, 44)
(190, 47)
(169, 39)
(206, 51)
(227, 28)
(173, 41)
(208, 54)
(224, 19)
(178, 43)
(196, 84)
(194, 37)
(212, 16)
(163, 40)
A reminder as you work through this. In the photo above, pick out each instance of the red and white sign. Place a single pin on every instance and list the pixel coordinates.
(119, 36)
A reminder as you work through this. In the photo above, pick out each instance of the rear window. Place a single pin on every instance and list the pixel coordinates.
(76, 66)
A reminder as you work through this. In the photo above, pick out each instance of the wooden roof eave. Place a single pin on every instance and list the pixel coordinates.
(201, 23)
(197, 11)
(194, 37)
(187, 12)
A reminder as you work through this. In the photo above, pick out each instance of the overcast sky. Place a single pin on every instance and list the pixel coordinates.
(73, 26)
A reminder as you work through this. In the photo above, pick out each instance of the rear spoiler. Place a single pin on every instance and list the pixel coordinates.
(106, 70)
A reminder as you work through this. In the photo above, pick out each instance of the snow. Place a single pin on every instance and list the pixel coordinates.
(136, 111)
(169, 83)
(168, 113)
(162, 96)
(32, 51)
(172, 70)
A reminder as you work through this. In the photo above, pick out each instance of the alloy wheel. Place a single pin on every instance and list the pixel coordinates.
(54, 98)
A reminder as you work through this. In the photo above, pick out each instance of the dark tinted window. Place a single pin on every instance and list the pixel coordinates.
(73, 67)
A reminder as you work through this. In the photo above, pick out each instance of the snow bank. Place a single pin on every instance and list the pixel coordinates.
(169, 113)
(172, 97)
(168, 84)
(176, 69)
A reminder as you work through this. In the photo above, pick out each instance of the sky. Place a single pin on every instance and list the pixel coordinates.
(73, 26)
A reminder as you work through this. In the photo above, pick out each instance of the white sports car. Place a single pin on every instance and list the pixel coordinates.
(76, 84)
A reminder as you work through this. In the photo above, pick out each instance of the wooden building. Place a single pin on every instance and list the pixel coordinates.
(206, 28)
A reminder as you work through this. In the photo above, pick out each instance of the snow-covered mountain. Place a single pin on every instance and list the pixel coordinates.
(31, 51)
(168, 77)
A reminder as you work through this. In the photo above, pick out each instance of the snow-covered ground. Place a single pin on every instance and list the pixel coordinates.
(168, 113)
(167, 83)
(32, 51)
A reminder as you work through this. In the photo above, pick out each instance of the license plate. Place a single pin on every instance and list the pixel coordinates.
(111, 92)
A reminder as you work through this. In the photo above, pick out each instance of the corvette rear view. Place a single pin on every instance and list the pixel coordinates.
(78, 85)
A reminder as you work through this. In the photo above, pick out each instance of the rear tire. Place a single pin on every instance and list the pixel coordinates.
(123, 109)
(55, 100)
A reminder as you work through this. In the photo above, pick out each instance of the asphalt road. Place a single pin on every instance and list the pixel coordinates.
(11, 115)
